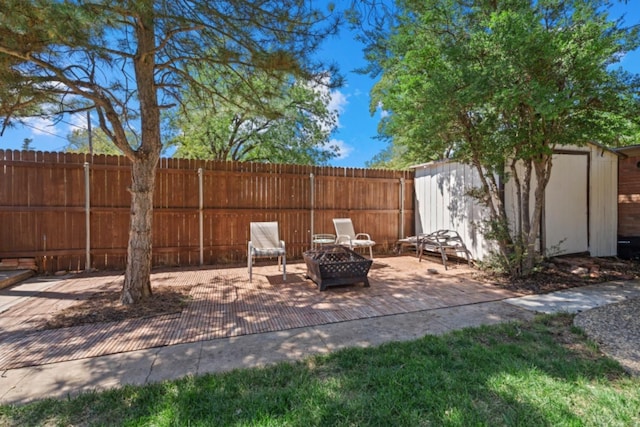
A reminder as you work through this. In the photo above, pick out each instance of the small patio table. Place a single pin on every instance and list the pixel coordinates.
(319, 240)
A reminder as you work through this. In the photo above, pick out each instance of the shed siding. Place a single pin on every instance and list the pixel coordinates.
(566, 205)
(603, 209)
(442, 201)
(602, 185)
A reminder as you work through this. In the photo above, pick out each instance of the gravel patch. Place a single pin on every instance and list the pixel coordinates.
(616, 328)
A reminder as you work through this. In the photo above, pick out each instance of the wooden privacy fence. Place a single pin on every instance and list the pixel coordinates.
(72, 210)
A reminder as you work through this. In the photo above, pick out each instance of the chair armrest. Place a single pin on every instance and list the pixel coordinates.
(363, 234)
(282, 244)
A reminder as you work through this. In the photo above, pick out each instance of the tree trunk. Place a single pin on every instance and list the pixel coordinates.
(542, 168)
(137, 280)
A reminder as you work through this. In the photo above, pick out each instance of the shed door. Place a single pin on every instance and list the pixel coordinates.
(566, 205)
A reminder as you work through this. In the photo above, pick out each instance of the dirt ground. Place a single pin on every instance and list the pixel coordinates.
(105, 306)
(567, 272)
(555, 274)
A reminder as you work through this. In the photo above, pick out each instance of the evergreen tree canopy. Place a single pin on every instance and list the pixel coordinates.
(128, 60)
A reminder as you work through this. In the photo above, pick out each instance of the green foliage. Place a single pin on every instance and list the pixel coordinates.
(128, 61)
(391, 157)
(34, 35)
(501, 76)
(279, 120)
(506, 261)
(78, 142)
(77, 55)
(26, 144)
(486, 83)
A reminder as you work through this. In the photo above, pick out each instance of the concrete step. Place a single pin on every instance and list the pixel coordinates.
(11, 277)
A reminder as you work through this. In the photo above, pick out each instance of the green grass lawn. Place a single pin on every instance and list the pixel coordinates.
(541, 373)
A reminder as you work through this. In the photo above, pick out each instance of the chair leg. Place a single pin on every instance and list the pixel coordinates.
(284, 268)
(443, 254)
(371, 253)
(249, 259)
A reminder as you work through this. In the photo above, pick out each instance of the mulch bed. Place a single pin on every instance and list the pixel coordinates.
(106, 307)
(567, 272)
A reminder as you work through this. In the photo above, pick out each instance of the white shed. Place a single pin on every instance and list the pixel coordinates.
(579, 212)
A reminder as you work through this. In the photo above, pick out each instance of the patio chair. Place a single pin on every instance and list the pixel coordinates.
(265, 243)
(440, 241)
(346, 236)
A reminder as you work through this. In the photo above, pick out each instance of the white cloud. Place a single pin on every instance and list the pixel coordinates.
(343, 149)
(42, 126)
(338, 102)
(337, 99)
(78, 122)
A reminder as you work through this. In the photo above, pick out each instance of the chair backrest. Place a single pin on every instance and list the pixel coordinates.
(265, 235)
(344, 227)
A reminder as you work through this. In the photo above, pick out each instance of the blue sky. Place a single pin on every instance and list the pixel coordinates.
(357, 129)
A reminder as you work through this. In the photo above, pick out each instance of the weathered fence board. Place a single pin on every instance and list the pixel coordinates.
(43, 205)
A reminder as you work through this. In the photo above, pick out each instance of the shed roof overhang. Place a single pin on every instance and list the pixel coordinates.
(629, 151)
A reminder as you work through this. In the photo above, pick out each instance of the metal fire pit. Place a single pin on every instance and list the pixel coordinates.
(336, 265)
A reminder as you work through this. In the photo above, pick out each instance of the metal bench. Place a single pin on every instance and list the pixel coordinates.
(440, 241)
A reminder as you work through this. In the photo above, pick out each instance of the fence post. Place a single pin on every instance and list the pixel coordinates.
(313, 196)
(201, 214)
(402, 196)
(87, 215)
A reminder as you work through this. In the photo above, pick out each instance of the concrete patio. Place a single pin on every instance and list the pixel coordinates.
(225, 304)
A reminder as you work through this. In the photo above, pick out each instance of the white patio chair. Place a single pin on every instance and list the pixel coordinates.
(346, 236)
(265, 243)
